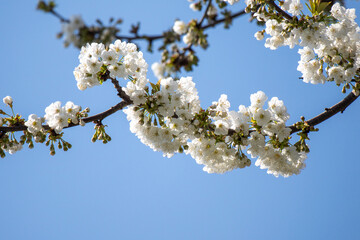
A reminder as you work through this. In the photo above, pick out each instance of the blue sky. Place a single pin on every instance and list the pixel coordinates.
(124, 190)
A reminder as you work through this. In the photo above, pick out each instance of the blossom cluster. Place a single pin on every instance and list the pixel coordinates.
(330, 45)
(57, 116)
(168, 117)
(171, 107)
(121, 59)
(181, 28)
(171, 120)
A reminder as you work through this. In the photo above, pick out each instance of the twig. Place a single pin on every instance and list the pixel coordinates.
(205, 14)
(279, 10)
(120, 91)
(216, 22)
(56, 14)
(159, 36)
(141, 37)
(329, 112)
(96, 117)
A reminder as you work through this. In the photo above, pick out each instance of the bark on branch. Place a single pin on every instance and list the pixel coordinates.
(329, 112)
(279, 10)
(96, 117)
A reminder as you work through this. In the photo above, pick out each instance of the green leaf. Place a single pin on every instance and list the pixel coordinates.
(322, 6)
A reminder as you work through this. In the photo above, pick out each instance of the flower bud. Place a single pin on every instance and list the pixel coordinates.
(8, 101)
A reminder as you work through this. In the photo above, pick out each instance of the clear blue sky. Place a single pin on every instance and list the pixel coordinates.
(124, 190)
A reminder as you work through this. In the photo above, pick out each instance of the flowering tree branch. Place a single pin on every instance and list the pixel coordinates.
(97, 117)
(147, 37)
(167, 116)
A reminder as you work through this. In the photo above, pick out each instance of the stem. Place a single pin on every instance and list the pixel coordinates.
(120, 91)
(205, 15)
(159, 36)
(56, 14)
(96, 117)
(279, 10)
(329, 112)
(235, 15)
(12, 110)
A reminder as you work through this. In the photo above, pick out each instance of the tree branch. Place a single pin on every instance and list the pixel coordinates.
(61, 18)
(205, 14)
(279, 10)
(221, 20)
(120, 91)
(96, 117)
(156, 37)
(329, 112)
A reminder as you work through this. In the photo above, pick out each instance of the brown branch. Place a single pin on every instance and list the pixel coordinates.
(141, 37)
(61, 18)
(279, 10)
(156, 37)
(120, 91)
(216, 22)
(96, 117)
(205, 15)
(329, 112)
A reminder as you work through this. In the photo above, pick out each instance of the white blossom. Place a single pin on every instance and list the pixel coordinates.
(8, 100)
(180, 27)
(33, 124)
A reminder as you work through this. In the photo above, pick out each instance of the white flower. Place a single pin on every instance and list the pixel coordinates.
(222, 105)
(259, 35)
(169, 84)
(295, 7)
(180, 27)
(306, 54)
(109, 57)
(119, 47)
(273, 28)
(57, 117)
(33, 124)
(117, 70)
(71, 110)
(8, 101)
(262, 117)
(222, 127)
(188, 38)
(231, 1)
(194, 7)
(258, 99)
(158, 69)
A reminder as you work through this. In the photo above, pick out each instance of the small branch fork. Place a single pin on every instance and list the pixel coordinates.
(205, 14)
